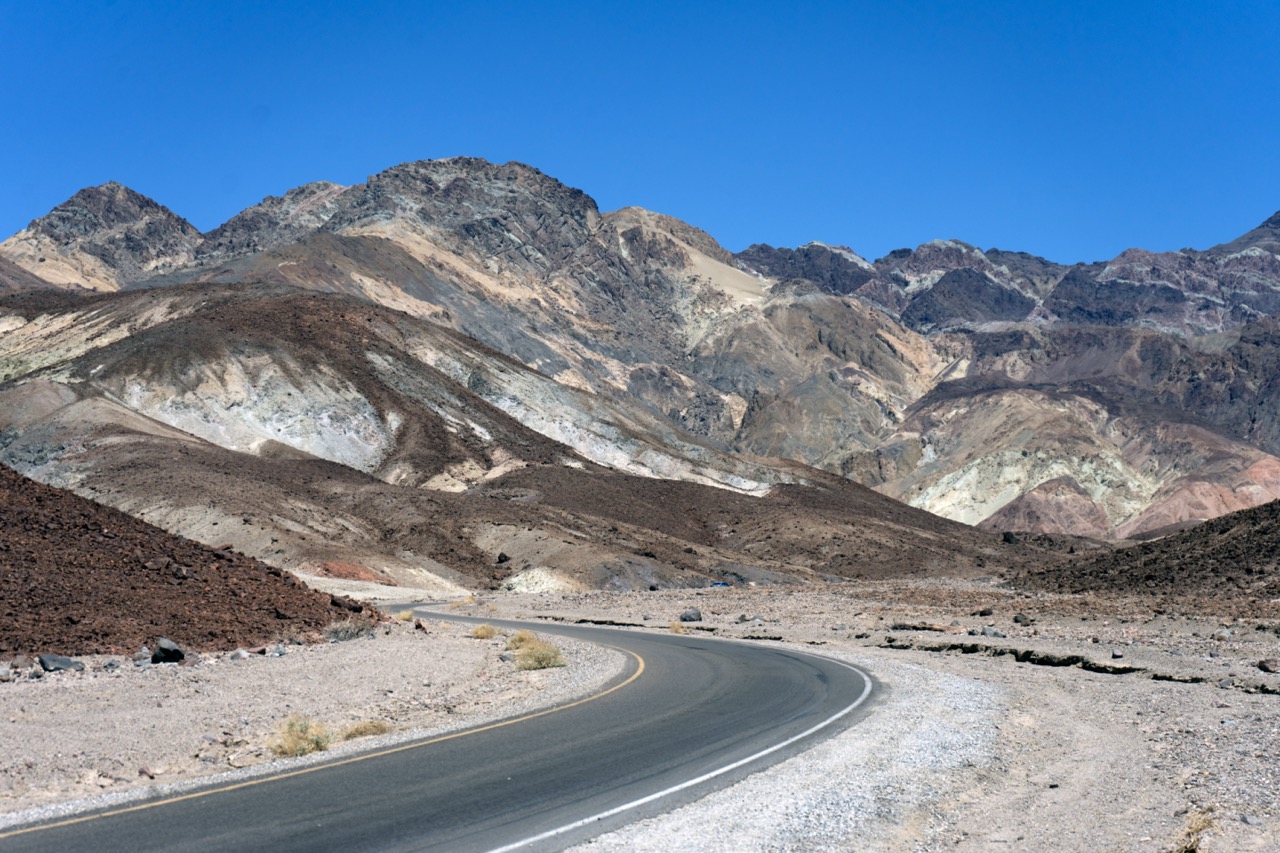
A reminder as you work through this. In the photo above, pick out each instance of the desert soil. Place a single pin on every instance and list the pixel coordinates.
(1042, 739)
(155, 727)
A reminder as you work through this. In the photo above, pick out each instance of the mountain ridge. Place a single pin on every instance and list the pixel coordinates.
(1075, 374)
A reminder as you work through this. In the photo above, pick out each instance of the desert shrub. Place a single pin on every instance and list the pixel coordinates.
(299, 735)
(1199, 821)
(521, 638)
(351, 628)
(537, 654)
(366, 728)
(404, 616)
(484, 632)
(678, 628)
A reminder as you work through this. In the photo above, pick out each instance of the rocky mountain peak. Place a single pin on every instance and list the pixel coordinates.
(508, 211)
(1266, 237)
(103, 238)
(110, 207)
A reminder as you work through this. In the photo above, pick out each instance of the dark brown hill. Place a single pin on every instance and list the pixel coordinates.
(80, 578)
(1231, 559)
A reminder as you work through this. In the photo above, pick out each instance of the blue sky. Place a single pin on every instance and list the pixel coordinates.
(1070, 130)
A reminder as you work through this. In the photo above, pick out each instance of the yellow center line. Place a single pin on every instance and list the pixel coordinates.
(302, 771)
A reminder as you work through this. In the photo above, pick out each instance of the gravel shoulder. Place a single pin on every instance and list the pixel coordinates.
(117, 731)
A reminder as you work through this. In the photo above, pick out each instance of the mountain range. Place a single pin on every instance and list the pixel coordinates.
(460, 364)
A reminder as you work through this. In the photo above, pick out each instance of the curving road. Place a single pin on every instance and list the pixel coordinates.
(688, 715)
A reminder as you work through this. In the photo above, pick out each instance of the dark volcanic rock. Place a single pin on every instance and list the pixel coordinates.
(59, 663)
(965, 296)
(167, 651)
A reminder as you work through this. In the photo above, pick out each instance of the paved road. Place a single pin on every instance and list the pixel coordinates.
(686, 708)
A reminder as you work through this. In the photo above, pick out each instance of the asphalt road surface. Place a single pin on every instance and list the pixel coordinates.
(690, 714)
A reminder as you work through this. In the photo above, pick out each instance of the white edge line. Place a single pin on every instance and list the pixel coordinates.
(570, 827)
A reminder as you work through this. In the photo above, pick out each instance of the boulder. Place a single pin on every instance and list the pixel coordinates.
(693, 614)
(1269, 665)
(167, 651)
(59, 663)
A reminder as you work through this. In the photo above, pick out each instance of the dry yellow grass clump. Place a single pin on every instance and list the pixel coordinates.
(678, 628)
(366, 728)
(532, 653)
(299, 735)
(484, 632)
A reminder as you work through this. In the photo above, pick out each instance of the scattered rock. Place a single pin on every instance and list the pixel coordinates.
(986, 611)
(1116, 654)
(693, 614)
(142, 655)
(1227, 683)
(239, 654)
(1269, 665)
(988, 631)
(59, 663)
(1022, 619)
(1222, 634)
(503, 558)
(506, 657)
(167, 651)
(22, 662)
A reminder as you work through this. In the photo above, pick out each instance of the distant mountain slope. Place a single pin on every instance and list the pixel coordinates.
(993, 387)
(326, 431)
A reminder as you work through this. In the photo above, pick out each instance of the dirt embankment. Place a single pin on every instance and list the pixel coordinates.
(80, 578)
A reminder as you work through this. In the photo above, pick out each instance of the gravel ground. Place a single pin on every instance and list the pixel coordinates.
(77, 740)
